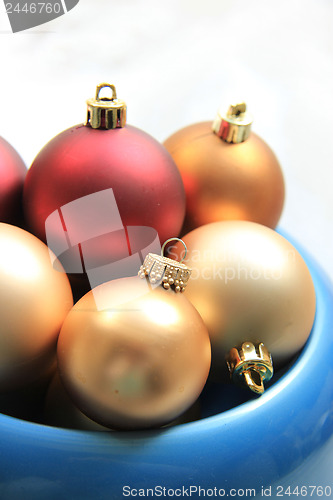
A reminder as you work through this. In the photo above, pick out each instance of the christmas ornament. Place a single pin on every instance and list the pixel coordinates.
(229, 173)
(12, 174)
(133, 354)
(254, 293)
(89, 159)
(34, 300)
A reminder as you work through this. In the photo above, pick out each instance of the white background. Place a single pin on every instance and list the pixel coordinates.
(175, 62)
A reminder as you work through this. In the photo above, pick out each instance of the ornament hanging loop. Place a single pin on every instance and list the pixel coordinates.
(249, 377)
(174, 239)
(236, 109)
(103, 86)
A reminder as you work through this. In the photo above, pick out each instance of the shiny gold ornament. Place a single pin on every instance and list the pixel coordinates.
(133, 355)
(250, 285)
(34, 300)
(229, 173)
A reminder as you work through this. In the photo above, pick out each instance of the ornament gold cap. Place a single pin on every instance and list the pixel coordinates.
(106, 112)
(233, 126)
(167, 272)
(250, 364)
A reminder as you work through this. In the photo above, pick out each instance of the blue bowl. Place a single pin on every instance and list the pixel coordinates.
(262, 442)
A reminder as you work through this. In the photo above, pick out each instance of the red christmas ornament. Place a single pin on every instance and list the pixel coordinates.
(90, 158)
(12, 174)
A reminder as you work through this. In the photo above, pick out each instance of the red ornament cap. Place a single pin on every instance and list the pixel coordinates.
(106, 112)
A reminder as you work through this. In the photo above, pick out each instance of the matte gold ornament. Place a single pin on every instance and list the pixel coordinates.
(34, 301)
(133, 354)
(229, 173)
(250, 285)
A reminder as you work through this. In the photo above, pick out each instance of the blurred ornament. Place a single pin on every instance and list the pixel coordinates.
(12, 174)
(103, 154)
(132, 354)
(250, 285)
(34, 300)
(229, 173)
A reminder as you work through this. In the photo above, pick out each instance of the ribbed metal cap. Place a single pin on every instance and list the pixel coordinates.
(233, 126)
(106, 112)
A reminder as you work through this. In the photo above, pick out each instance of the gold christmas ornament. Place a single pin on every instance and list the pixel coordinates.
(133, 354)
(250, 285)
(34, 301)
(229, 173)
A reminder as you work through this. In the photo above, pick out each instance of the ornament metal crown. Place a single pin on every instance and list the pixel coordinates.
(250, 364)
(105, 112)
(168, 272)
(233, 126)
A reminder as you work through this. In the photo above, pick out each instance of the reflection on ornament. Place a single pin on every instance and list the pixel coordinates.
(229, 173)
(60, 411)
